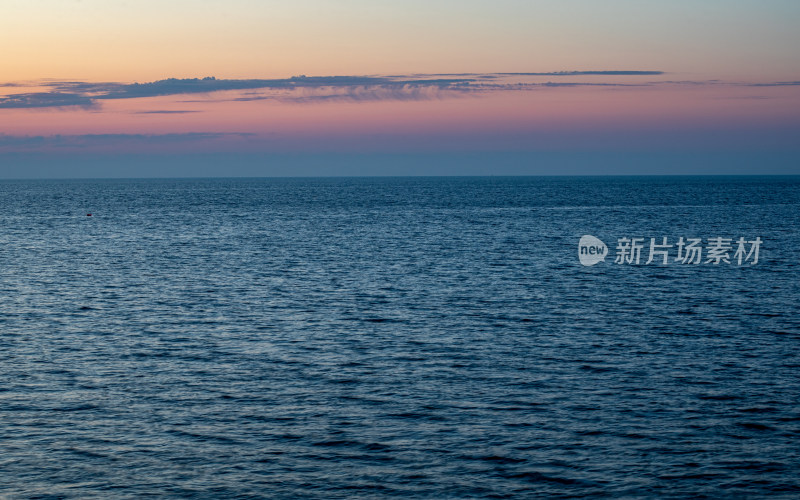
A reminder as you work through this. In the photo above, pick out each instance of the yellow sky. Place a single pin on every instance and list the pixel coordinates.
(146, 40)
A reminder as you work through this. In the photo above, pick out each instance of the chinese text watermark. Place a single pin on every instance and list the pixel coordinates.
(684, 251)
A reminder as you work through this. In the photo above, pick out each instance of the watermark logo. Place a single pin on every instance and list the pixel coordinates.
(685, 251)
(591, 250)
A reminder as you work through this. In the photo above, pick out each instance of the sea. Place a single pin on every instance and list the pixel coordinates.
(416, 337)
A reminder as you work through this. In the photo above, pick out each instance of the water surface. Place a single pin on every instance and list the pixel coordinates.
(420, 337)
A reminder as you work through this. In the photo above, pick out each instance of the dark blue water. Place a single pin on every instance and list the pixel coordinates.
(371, 338)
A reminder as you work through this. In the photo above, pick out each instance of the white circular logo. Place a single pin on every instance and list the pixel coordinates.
(591, 250)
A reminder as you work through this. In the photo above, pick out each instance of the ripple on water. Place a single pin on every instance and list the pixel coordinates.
(370, 338)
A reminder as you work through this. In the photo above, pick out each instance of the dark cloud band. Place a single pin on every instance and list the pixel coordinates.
(398, 87)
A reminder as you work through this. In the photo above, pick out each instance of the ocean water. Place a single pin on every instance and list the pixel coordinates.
(387, 337)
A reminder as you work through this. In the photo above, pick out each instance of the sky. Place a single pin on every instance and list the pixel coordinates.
(93, 88)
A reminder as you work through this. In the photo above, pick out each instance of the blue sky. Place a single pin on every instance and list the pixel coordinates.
(721, 79)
